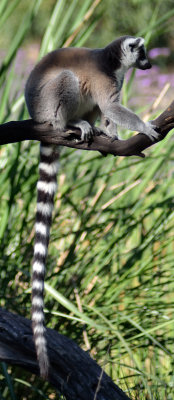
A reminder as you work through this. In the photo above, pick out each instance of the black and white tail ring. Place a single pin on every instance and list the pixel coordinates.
(46, 188)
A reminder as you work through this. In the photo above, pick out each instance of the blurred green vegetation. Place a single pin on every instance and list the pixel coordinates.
(112, 245)
(118, 18)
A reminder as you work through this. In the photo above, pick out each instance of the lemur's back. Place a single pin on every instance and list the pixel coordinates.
(77, 60)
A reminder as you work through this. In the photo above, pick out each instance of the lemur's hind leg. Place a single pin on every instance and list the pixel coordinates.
(62, 102)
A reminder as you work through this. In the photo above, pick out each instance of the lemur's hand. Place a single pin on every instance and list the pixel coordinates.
(151, 132)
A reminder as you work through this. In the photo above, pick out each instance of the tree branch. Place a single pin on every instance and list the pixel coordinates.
(16, 131)
(72, 371)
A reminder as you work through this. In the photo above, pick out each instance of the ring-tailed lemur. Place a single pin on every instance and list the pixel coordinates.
(73, 86)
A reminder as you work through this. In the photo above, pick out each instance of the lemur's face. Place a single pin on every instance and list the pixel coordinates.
(134, 53)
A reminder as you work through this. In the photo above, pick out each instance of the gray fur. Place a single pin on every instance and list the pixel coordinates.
(77, 85)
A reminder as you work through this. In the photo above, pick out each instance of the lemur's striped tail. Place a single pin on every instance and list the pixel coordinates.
(46, 189)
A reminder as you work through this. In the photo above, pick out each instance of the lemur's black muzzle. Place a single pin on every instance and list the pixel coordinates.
(148, 65)
(143, 64)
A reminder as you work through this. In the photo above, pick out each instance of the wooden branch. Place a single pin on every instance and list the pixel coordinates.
(16, 131)
(72, 371)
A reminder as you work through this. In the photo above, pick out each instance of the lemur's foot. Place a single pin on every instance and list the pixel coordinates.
(87, 133)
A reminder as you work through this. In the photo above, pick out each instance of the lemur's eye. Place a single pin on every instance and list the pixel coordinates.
(132, 47)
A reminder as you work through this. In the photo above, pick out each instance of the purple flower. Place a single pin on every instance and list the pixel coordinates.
(146, 82)
(162, 79)
(159, 51)
(172, 80)
(141, 73)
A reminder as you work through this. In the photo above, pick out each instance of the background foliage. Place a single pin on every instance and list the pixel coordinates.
(109, 272)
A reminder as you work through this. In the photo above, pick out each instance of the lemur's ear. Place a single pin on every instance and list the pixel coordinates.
(136, 43)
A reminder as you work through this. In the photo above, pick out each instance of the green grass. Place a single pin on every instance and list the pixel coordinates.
(111, 247)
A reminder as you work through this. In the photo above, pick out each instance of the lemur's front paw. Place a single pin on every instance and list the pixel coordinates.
(151, 132)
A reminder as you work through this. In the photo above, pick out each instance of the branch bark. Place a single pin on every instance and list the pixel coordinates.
(16, 131)
(72, 371)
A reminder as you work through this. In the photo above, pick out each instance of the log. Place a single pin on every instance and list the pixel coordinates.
(72, 371)
(16, 131)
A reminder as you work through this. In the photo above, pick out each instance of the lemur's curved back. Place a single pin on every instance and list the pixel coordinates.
(46, 188)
